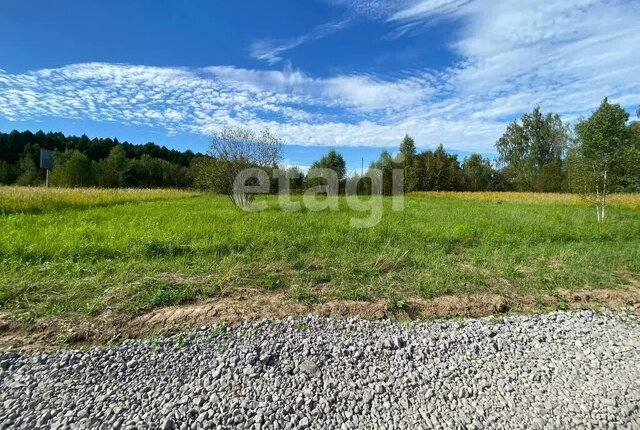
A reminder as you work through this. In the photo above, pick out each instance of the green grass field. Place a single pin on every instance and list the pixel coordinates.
(130, 255)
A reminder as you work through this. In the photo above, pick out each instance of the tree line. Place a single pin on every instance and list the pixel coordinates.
(596, 156)
(84, 162)
(538, 153)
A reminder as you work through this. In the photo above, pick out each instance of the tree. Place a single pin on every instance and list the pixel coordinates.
(29, 172)
(72, 169)
(112, 168)
(599, 147)
(477, 173)
(232, 150)
(528, 148)
(296, 178)
(6, 173)
(408, 160)
(333, 161)
(438, 171)
(385, 165)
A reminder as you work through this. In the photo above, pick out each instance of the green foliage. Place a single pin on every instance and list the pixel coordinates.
(385, 164)
(306, 295)
(528, 147)
(112, 168)
(604, 134)
(604, 156)
(113, 164)
(7, 174)
(397, 302)
(438, 171)
(232, 150)
(408, 155)
(29, 172)
(477, 173)
(72, 169)
(333, 161)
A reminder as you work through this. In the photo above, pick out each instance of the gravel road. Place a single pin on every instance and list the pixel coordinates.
(560, 370)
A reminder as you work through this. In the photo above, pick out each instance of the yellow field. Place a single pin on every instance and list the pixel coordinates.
(39, 199)
(624, 200)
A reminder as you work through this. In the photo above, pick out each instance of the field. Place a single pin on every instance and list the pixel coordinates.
(89, 253)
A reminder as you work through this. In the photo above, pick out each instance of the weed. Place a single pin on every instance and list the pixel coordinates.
(305, 295)
(397, 302)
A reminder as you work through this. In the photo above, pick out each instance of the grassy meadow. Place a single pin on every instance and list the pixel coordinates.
(14, 199)
(68, 252)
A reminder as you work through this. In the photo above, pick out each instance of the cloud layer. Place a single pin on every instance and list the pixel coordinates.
(565, 56)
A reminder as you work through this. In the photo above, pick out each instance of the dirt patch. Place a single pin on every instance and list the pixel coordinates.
(251, 305)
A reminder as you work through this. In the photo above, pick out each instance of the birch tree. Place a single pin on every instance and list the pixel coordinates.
(598, 148)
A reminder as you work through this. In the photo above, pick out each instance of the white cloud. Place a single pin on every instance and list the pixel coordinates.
(564, 56)
(271, 51)
(427, 9)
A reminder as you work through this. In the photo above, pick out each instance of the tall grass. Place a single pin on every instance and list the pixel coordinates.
(622, 200)
(14, 199)
(130, 258)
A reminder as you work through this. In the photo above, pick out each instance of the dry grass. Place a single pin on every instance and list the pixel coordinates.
(623, 200)
(14, 199)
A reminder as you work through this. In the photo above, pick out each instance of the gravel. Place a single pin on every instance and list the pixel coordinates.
(560, 370)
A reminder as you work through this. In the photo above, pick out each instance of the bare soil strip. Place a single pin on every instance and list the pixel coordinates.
(56, 333)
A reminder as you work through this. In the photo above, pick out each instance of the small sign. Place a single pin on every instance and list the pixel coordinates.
(46, 159)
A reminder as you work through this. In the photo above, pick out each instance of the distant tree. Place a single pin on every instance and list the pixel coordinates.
(232, 150)
(201, 168)
(112, 168)
(7, 174)
(72, 169)
(16, 146)
(29, 173)
(477, 173)
(384, 166)
(438, 171)
(334, 161)
(296, 177)
(634, 134)
(499, 181)
(598, 152)
(528, 147)
(408, 162)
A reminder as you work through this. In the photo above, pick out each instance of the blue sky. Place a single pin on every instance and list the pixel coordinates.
(355, 75)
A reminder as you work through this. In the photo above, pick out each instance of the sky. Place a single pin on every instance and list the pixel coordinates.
(352, 75)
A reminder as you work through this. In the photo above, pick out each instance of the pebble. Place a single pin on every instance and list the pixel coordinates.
(560, 370)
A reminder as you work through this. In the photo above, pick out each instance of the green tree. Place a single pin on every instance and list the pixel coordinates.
(598, 153)
(29, 172)
(438, 171)
(112, 168)
(408, 162)
(72, 169)
(385, 165)
(334, 161)
(477, 173)
(528, 147)
(7, 175)
(232, 150)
